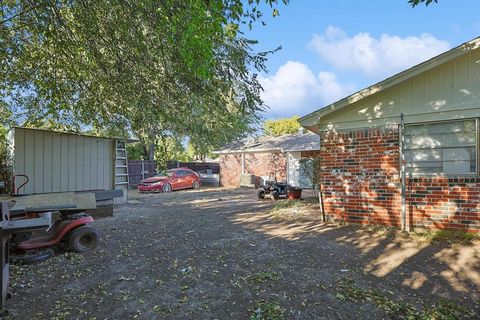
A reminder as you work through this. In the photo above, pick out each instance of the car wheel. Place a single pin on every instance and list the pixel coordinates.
(83, 239)
(167, 187)
(274, 195)
(196, 184)
(261, 194)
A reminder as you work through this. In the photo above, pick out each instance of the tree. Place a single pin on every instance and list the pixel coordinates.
(149, 67)
(170, 148)
(414, 3)
(5, 122)
(281, 126)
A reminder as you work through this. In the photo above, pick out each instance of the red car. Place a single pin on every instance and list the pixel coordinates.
(175, 179)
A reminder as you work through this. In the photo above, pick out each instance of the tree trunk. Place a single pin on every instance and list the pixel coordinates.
(151, 152)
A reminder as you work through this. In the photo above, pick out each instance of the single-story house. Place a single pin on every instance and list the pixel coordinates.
(266, 155)
(45, 161)
(405, 151)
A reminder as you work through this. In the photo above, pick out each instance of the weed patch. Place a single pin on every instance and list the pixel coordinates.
(267, 311)
(439, 310)
(262, 277)
(288, 204)
(445, 236)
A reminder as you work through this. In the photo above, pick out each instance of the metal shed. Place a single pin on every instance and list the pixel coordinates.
(66, 162)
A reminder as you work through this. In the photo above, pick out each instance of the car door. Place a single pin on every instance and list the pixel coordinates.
(180, 179)
(175, 181)
(189, 178)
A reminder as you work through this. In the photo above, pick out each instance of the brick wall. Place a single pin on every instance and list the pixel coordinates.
(230, 170)
(359, 174)
(258, 164)
(262, 164)
(361, 184)
(452, 203)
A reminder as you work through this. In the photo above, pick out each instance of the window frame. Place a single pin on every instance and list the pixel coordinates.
(442, 174)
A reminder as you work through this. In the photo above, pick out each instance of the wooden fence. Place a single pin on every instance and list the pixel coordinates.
(209, 172)
(196, 166)
(139, 170)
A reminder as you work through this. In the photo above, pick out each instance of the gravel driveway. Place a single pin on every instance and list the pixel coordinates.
(222, 254)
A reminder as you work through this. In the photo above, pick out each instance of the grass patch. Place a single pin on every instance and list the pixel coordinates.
(383, 231)
(262, 277)
(439, 310)
(294, 210)
(445, 236)
(288, 204)
(267, 311)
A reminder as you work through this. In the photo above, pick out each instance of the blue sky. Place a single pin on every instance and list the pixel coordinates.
(333, 48)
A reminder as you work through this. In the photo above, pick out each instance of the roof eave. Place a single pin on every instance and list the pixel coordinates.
(311, 120)
(245, 151)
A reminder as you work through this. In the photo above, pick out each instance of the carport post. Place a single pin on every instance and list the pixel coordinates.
(243, 163)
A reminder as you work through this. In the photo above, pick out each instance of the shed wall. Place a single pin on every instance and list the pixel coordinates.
(59, 162)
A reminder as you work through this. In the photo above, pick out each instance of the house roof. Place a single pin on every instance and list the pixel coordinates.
(290, 142)
(310, 121)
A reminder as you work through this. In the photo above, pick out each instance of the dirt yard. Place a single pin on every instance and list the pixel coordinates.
(222, 254)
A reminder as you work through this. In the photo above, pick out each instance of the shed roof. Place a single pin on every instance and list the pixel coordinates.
(311, 120)
(289, 142)
(76, 134)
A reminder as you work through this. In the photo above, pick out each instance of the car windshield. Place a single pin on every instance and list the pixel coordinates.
(166, 174)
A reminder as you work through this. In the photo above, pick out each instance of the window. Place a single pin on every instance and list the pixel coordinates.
(441, 148)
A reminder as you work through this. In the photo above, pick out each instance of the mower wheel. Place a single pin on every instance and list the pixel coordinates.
(261, 194)
(83, 239)
(31, 258)
(274, 195)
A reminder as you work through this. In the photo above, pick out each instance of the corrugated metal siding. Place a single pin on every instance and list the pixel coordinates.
(448, 91)
(59, 162)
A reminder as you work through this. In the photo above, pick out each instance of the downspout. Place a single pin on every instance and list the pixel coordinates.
(403, 175)
(287, 173)
(319, 184)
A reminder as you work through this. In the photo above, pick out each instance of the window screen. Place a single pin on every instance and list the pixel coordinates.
(436, 148)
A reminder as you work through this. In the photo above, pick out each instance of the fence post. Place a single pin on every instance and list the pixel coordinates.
(143, 170)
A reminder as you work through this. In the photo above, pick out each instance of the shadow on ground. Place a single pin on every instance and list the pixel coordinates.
(217, 254)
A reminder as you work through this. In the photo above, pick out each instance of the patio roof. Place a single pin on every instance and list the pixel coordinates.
(290, 142)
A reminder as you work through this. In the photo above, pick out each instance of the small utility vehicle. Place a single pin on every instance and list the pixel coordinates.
(273, 189)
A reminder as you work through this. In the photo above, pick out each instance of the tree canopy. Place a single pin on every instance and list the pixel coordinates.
(153, 68)
(417, 2)
(149, 68)
(281, 126)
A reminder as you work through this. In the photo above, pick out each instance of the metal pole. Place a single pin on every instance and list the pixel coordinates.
(143, 170)
(403, 174)
(243, 163)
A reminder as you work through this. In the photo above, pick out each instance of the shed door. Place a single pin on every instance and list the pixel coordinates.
(297, 174)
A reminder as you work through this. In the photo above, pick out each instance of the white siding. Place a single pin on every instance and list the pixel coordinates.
(448, 91)
(59, 162)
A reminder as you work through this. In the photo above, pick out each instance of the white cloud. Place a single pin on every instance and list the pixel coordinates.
(375, 57)
(295, 90)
